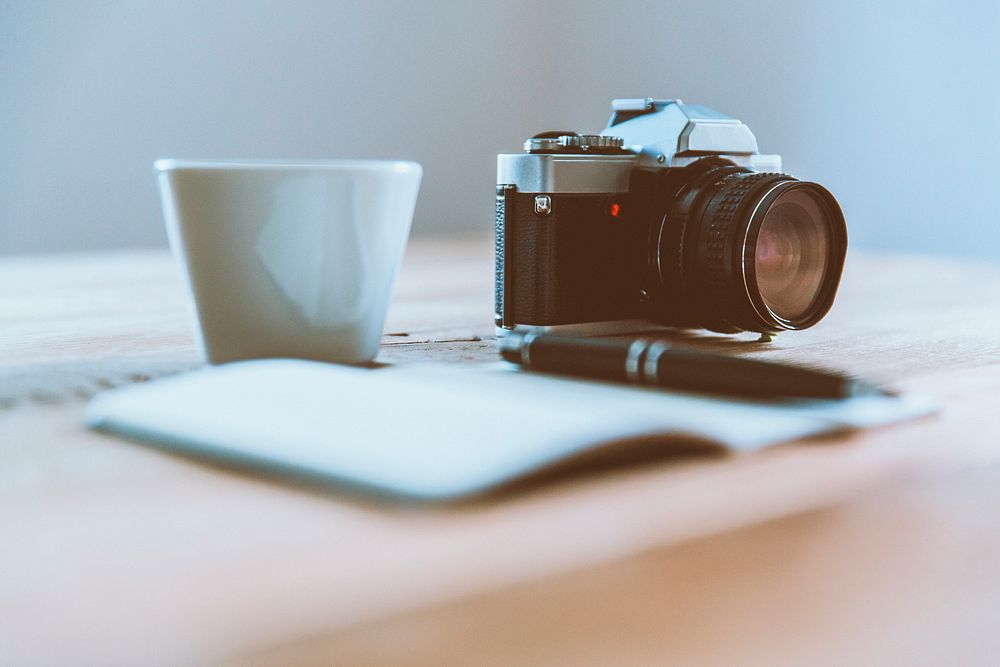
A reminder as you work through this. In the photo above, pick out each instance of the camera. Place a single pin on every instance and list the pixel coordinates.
(668, 216)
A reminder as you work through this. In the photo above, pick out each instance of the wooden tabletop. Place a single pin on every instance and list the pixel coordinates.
(877, 547)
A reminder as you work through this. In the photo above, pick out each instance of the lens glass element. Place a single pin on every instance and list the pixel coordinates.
(793, 254)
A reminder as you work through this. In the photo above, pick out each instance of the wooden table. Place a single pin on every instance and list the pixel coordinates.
(878, 547)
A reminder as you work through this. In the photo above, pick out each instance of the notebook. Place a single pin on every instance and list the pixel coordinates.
(442, 432)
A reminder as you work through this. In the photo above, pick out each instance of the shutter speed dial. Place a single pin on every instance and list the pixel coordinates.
(552, 142)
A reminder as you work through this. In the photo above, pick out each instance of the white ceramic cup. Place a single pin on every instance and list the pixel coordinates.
(289, 259)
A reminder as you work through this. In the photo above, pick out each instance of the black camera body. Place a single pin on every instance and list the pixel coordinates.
(670, 216)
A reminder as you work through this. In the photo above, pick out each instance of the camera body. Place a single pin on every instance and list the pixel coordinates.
(644, 221)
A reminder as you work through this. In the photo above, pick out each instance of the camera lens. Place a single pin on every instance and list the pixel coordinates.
(738, 250)
(792, 255)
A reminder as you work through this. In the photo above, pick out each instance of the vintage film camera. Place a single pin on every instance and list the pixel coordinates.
(671, 216)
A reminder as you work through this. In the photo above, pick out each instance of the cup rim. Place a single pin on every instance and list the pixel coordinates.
(175, 164)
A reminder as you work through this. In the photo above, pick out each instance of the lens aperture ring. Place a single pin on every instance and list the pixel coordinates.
(686, 192)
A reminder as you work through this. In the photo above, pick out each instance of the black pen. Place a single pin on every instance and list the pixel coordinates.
(651, 362)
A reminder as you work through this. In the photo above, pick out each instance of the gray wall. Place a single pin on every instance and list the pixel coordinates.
(893, 107)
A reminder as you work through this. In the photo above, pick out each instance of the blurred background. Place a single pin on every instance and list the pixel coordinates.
(893, 105)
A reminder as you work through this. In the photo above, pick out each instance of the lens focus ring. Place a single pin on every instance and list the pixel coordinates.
(725, 214)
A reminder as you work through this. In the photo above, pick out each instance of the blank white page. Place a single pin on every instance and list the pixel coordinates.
(440, 432)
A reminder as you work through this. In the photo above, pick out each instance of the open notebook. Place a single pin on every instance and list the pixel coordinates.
(443, 432)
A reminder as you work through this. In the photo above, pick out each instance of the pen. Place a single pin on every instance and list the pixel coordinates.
(650, 362)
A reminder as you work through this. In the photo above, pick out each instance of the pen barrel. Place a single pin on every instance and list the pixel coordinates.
(596, 358)
(735, 376)
(657, 363)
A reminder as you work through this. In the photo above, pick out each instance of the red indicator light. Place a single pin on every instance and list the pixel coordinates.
(615, 210)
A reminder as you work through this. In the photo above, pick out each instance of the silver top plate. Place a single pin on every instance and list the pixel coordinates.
(565, 173)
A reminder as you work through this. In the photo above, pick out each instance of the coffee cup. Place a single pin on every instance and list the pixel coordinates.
(289, 259)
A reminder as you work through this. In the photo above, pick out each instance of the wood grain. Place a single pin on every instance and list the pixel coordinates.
(904, 577)
(129, 555)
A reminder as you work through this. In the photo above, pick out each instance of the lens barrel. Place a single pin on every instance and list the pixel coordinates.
(737, 250)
